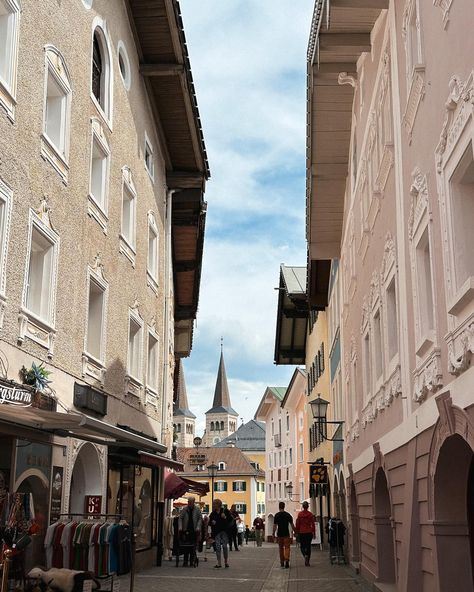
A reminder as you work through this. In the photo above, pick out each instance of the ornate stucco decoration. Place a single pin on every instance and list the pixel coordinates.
(345, 78)
(419, 204)
(428, 377)
(445, 6)
(461, 348)
(389, 257)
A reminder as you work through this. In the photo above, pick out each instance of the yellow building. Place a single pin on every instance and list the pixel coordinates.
(237, 479)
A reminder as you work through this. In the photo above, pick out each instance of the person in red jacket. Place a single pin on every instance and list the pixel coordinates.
(306, 529)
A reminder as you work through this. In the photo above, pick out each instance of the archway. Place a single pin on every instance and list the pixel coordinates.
(342, 498)
(385, 547)
(86, 478)
(354, 527)
(454, 515)
(269, 526)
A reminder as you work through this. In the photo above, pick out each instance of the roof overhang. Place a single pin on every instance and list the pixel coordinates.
(188, 225)
(292, 316)
(340, 33)
(164, 65)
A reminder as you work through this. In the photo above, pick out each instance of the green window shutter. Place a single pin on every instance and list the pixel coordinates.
(244, 485)
(244, 508)
(215, 486)
(225, 486)
(234, 486)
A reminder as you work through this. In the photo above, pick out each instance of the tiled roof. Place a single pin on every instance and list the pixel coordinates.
(235, 460)
(249, 436)
(278, 391)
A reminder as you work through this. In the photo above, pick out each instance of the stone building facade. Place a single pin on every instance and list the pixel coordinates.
(102, 174)
(391, 197)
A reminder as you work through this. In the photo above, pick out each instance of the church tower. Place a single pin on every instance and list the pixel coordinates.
(184, 420)
(221, 419)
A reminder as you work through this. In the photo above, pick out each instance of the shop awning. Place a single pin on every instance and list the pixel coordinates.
(176, 486)
(78, 425)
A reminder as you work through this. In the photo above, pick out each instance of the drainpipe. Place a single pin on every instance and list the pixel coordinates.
(166, 311)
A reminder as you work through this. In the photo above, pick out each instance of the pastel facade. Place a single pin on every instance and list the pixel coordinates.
(393, 201)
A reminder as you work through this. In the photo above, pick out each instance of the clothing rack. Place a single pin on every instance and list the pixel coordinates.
(86, 515)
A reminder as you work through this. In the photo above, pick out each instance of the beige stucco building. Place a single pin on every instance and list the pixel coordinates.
(102, 174)
(390, 196)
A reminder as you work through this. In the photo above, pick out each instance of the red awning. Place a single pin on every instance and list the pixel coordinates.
(176, 487)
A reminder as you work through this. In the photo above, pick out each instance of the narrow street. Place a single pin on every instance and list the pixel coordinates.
(253, 569)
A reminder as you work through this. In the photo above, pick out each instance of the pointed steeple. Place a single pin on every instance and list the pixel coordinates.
(182, 405)
(221, 402)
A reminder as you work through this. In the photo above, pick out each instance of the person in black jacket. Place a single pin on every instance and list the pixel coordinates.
(220, 520)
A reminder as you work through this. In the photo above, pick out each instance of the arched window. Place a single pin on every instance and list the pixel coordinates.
(221, 466)
(212, 426)
(222, 425)
(101, 71)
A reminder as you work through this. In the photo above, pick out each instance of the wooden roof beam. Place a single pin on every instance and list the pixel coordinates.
(360, 42)
(185, 180)
(161, 69)
(360, 4)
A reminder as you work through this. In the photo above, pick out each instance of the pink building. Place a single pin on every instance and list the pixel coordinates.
(391, 196)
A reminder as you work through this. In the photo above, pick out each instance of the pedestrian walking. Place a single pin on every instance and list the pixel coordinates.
(259, 529)
(305, 528)
(220, 521)
(247, 534)
(233, 529)
(282, 528)
(190, 525)
(240, 532)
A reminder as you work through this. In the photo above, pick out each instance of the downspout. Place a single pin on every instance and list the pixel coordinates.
(166, 313)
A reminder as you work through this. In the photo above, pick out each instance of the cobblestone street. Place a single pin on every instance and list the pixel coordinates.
(253, 570)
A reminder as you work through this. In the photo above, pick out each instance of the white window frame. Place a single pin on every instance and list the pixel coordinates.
(96, 276)
(152, 275)
(148, 145)
(106, 113)
(32, 326)
(414, 64)
(127, 247)
(218, 483)
(377, 379)
(96, 210)
(151, 391)
(123, 53)
(221, 466)
(6, 198)
(367, 362)
(134, 383)
(55, 66)
(8, 88)
(238, 481)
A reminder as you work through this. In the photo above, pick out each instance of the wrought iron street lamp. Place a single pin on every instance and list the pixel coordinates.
(289, 492)
(319, 409)
(212, 469)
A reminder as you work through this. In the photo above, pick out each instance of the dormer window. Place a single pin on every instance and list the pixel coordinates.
(221, 466)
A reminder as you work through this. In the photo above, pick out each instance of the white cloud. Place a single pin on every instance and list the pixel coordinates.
(249, 65)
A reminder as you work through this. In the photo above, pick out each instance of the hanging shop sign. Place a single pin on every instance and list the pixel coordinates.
(93, 504)
(13, 394)
(56, 494)
(318, 474)
(197, 459)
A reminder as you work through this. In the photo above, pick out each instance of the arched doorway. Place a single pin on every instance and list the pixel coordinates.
(86, 478)
(269, 526)
(342, 498)
(354, 526)
(385, 547)
(454, 515)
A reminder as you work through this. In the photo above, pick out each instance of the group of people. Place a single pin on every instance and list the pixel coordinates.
(223, 529)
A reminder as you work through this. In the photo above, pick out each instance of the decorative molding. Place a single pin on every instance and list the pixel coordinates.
(419, 204)
(97, 267)
(415, 95)
(345, 78)
(134, 309)
(383, 398)
(44, 214)
(384, 169)
(93, 368)
(365, 315)
(428, 376)
(445, 6)
(374, 292)
(132, 386)
(461, 347)
(389, 257)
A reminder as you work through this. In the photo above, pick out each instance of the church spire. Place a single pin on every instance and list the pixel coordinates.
(221, 402)
(182, 405)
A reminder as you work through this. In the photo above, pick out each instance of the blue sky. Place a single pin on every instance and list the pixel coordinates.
(248, 59)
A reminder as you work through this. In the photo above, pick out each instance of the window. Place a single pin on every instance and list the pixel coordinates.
(287, 422)
(57, 100)
(239, 486)
(220, 486)
(301, 452)
(270, 460)
(461, 185)
(124, 65)
(149, 160)
(378, 348)
(221, 466)
(279, 491)
(101, 74)
(5, 206)
(99, 168)
(40, 284)
(9, 26)
(424, 284)
(128, 215)
(392, 324)
(241, 508)
(134, 347)
(152, 261)
(367, 365)
(96, 319)
(286, 458)
(302, 496)
(152, 362)
(290, 453)
(212, 426)
(412, 39)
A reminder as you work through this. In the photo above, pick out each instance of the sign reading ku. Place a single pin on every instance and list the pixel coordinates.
(11, 395)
